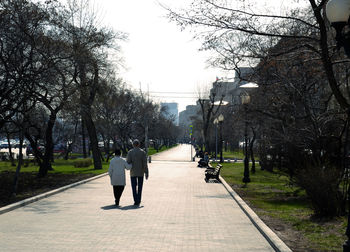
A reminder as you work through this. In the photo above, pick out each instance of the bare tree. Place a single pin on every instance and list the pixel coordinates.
(304, 75)
(239, 35)
(301, 127)
(19, 67)
(209, 108)
(88, 42)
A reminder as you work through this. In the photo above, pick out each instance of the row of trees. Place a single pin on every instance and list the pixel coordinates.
(57, 83)
(300, 112)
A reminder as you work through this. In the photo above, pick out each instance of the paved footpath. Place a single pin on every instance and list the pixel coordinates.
(179, 212)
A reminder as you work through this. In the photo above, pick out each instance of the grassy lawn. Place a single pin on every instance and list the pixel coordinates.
(273, 198)
(233, 154)
(59, 166)
(29, 184)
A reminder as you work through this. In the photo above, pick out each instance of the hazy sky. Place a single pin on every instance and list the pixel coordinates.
(159, 57)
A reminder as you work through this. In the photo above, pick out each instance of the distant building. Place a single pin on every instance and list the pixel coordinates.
(172, 111)
(185, 117)
(229, 89)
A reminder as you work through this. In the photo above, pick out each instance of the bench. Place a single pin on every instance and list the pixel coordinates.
(209, 167)
(202, 163)
(212, 172)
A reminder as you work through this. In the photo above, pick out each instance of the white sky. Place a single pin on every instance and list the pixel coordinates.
(159, 56)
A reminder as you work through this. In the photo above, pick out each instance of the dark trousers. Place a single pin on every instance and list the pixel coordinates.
(118, 191)
(136, 184)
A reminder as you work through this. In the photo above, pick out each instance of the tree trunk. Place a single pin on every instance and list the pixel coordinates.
(88, 90)
(83, 137)
(33, 143)
(124, 148)
(10, 149)
(107, 149)
(20, 161)
(93, 139)
(206, 143)
(70, 145)
(46, 164)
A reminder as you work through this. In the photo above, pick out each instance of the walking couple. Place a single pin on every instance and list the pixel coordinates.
(136, 162)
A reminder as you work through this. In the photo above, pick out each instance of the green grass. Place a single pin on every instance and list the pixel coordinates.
(67, 167)
(59, 166)
(233, 154)
(272, 195)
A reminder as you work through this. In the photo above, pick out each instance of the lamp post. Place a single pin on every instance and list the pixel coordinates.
(245, 98)
(216, 121)
(338, 13)
(191, 129)
(221, 120)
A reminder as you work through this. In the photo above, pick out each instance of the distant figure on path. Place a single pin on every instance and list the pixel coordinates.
(116, 173)
(138, 159)
(204, 162)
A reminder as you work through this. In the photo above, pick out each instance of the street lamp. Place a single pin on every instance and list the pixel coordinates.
(216, 121)
(338, 12)
(221, 120)
(245, 99)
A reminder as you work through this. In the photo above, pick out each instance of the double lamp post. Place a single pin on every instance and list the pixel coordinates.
(245, 99)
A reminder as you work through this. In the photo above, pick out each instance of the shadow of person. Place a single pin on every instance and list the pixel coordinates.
(130, 207)
(109, 207)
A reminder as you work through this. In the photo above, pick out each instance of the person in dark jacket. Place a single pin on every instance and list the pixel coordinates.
(203, 162)
(139, 168)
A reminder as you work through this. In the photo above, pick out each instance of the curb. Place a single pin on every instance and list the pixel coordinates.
(22, 203)
(277, 244)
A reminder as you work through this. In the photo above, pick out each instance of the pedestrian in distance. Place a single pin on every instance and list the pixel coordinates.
(139, 168)
(204, 162)
(116, 173)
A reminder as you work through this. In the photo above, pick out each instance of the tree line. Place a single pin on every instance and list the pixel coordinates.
(57, 84)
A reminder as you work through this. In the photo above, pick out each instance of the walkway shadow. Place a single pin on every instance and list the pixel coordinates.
(218, 196)
(130, 207)
(109, 207)
(213, 181)
(44, 207)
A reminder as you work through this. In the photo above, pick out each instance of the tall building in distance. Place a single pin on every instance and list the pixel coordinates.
(172, 111)
(186, 117)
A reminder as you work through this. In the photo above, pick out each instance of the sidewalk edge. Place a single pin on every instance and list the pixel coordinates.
(270, 236)
(24, 202)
